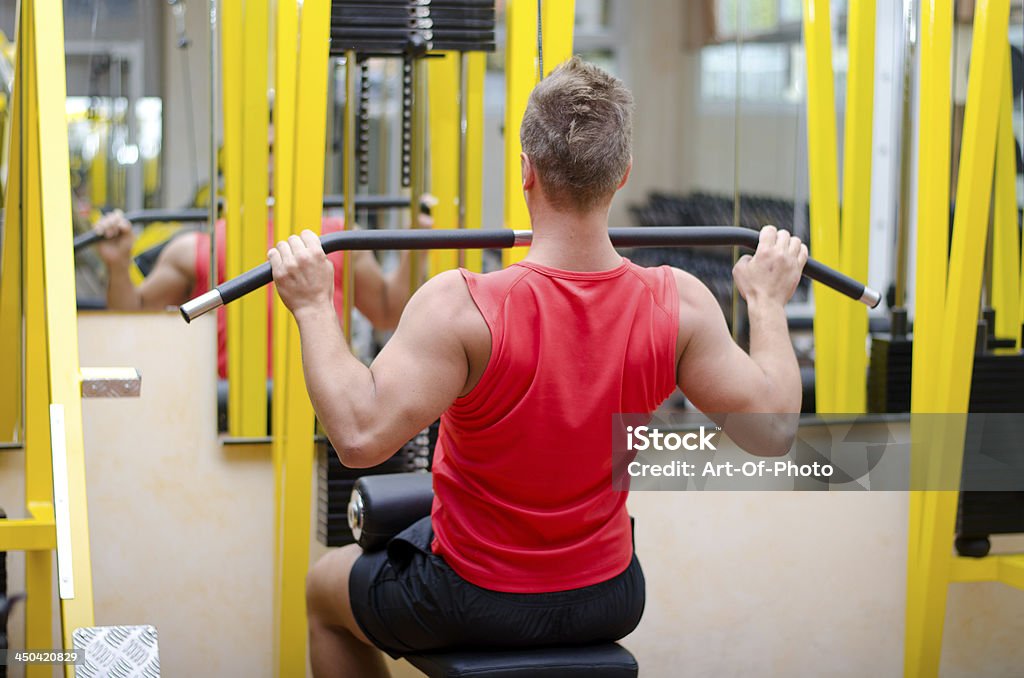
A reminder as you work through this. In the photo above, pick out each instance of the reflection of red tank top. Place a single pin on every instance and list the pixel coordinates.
(523, 466)
(327, 225)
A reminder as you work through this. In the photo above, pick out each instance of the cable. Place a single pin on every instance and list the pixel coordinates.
(540, 40)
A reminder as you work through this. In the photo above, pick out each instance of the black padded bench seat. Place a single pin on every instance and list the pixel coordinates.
(610, 660)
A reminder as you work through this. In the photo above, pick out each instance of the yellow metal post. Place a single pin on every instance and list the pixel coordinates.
(443, 79)
(247, 408)
(558, 19)
(475, 152)
(40, 291)
(293, 441)
(851, 368)
(520, 79)
(38, 468)
(930, 567)
(11, 289)
(59, 278)
(932, 241)
(232, 53)
(974, 187)
(286, 33)
(98, 165)
(824, 201)
(932, 195)
(1005, 292)
(286, 40)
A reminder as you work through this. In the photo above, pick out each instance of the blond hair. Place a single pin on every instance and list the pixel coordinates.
(578, 133)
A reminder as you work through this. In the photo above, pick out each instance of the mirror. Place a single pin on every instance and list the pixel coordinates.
(138, 128)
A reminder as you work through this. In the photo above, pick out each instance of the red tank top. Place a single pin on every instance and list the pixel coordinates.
(327, 225)
(523, 466)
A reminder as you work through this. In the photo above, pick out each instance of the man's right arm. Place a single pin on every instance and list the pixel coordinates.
(717, 376)
(168, 284)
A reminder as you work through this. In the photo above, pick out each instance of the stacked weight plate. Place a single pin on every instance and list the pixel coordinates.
(334, 482)
(395, 27)
(889, 373)
(997, 386)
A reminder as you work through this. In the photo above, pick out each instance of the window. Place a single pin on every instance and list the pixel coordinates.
(767, 61)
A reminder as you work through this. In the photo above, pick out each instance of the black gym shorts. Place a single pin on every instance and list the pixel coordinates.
(406, 599)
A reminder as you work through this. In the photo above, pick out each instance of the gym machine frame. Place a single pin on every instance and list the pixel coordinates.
(38, 288)
(41, 408)
(947, 310)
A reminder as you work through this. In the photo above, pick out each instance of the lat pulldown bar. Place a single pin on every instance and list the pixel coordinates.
(672, 236)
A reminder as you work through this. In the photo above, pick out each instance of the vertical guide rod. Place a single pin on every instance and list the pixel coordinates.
(417, 165)
(348, 177)
(214, 88)
(906, 147)
(463, 145)
(736, 169)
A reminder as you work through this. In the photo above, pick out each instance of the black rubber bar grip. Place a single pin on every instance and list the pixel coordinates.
(663, 236)
(192, 214)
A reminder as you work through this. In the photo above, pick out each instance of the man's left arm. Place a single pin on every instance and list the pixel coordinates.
(370, 412)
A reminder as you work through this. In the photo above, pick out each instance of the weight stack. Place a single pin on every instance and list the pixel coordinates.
(414, 27)
(889, 373)
(997, 386)
(335, 481)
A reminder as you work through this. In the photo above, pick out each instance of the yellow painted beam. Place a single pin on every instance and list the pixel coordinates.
(247, 408)
(475, 153)
(824, 200)
(558, 20)
(443, 80)
(286, 37)
(98, 166)
(851, 353)
(967, 570)
(974, 185)
(11, 288)
(930, 566)
(38, 469)
(1006, 265)
(932, 197)
(1011, 570)
(1008, 569)
(59, 279)
(521, 66)
(520, 79)
(296, 433)
(933, 167)
(28, 534)
(286, 59)
(232, 45)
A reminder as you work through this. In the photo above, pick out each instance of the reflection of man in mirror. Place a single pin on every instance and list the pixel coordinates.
(182, 271)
